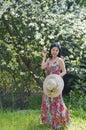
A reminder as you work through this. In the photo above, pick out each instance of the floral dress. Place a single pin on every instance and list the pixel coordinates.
(54, 112)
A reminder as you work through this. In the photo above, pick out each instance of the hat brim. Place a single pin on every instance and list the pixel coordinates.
(55, 91)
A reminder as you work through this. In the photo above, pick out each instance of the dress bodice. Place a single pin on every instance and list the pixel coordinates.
(53, 68)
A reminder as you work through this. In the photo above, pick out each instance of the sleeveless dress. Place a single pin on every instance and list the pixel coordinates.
(54, 112)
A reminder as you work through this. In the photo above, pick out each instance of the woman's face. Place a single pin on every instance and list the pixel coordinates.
(54, 52)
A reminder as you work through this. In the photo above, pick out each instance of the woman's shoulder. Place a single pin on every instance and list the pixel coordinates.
(60, 60)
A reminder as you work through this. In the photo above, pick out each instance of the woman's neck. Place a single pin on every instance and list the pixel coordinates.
(54, 58)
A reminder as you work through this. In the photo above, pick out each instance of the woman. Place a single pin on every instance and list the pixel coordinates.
(54, 112)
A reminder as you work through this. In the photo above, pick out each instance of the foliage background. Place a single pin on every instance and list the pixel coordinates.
(26, 28)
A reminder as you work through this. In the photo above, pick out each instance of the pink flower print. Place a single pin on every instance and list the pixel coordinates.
(44, 105)
(61, 107)
(44, 118)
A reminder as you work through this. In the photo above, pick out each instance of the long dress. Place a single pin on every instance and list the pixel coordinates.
(54, 112)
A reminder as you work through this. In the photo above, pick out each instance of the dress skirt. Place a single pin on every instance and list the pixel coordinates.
(54, 112)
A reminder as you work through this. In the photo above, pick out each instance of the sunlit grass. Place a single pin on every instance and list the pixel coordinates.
(30, 119)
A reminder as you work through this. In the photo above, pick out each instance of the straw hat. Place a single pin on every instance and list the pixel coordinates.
(53, 85)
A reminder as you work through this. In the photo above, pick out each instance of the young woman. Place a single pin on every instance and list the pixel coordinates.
(54, 112)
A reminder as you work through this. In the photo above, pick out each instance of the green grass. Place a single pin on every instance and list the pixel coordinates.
(30, 119)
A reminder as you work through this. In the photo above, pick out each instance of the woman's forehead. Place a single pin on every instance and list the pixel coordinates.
(55, 48)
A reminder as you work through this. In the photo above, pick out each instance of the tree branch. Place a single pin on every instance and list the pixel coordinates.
(26, 61)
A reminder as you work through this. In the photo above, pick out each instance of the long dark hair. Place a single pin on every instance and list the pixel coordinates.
(55, 44)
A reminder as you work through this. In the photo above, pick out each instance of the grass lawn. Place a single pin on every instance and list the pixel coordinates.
(30, 119)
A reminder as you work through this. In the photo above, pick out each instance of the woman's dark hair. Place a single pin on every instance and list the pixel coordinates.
(55, 44)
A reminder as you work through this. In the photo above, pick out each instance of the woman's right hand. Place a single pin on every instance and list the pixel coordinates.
(44, 53)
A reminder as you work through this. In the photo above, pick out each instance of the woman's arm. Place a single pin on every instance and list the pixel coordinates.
(44, 62)
(62, 66)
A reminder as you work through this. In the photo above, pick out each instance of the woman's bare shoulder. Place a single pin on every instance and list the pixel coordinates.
(61, 60)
